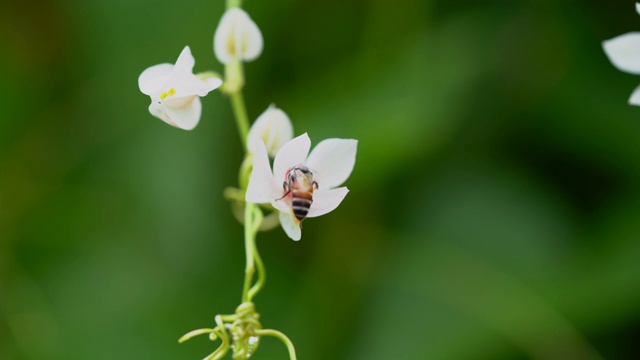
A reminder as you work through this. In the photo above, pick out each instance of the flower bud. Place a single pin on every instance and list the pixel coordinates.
(237, 37)
(273, 128)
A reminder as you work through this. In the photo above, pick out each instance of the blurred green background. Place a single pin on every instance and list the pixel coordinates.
(494, 210)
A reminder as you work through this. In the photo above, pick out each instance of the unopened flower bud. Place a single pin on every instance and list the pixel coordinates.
(237, 37)
(273, 128)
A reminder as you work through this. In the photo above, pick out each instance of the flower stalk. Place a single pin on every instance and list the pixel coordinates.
(240, 115)
(233, 3)
(249, 244)
(241, 332)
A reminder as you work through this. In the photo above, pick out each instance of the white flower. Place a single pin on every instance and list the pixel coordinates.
(330, 164)
(624, 53)
(237, 37)
(273, 128)
(174, 91)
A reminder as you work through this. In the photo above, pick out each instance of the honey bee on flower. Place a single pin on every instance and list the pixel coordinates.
(299, 186)
(302, 184)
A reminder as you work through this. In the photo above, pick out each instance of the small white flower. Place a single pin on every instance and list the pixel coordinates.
(273, 128)
(330, 164)
(624, 53)
(174, 91)
(237, 37)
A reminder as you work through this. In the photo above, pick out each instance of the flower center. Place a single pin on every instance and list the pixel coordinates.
(231, 43)
(171, 92)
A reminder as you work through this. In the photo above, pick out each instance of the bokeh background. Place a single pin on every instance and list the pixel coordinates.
(494, 210)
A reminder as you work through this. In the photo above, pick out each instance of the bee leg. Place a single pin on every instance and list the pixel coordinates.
(315, 185)
(287, 190)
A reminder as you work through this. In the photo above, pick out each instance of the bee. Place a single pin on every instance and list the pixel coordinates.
(300, 184)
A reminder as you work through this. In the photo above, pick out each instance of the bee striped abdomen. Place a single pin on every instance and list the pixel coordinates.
(301, 202)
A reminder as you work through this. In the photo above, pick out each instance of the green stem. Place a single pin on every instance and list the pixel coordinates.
(252, 218)
(233, 3)
(194, 333)
(240, 114)
(282, 337)
(262, 274)
(249, 244)
(245, 173)
(252, 214)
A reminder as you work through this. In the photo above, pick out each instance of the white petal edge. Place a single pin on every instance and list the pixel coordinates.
(290, 225)
(635, 97)
(212, 84)
(185, 82)
(251, 42)
(185, 61)
(257, 131)
(624, 52)
(158, 111)
(292, 153)
(262, 186)
(153, 78)
(185, 117)
(638, 8)
(325, 201)
(332, 161)
(273, 127)
(221, 36)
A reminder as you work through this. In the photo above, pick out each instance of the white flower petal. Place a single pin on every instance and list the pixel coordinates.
(635, 97)
(153, 78)
(185, 62)
(283, 205)
(262, 186)
(174, 91)
(638, 8)
(325, 201)
(624, 52)
(251, 42)
(183, 113)
(237, 37)
(212, 84)
(292, 153)
(332, 161)
(273, 128)
(224, 37)
(189, 84)
(184, 83)
(158, 110)
(290, 225)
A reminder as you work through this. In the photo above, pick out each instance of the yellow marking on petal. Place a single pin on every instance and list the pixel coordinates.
(231, 42)
(231, 46)
(171, 92)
